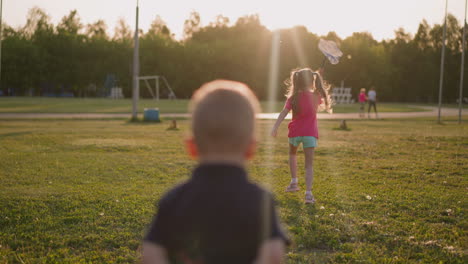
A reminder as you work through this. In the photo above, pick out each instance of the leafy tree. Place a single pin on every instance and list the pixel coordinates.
(159, 27)
(37, 22)
(220, 21)
(41, 58)
(122, 31)
(70, 24)
(192, 24)
(97, 30)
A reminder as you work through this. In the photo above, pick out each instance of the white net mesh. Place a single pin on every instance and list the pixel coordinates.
(330, 50)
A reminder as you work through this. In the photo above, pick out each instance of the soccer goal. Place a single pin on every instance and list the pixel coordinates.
(155, 90)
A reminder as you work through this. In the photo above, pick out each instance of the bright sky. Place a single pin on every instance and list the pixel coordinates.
(379, 17)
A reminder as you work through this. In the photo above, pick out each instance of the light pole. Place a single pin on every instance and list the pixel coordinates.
(136, 70)
(460, 98)
(442, 60)
(1, 38)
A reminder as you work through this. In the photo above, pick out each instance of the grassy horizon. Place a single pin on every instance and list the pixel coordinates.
(106, 105)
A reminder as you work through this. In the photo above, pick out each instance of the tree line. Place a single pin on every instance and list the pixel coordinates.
(76, 59)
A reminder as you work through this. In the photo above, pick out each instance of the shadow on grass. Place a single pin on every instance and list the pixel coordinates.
(138, 121)
(296, 202)
(341, 129)
(14, 134)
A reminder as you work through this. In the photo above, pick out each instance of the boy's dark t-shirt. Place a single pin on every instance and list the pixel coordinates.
(217, 216)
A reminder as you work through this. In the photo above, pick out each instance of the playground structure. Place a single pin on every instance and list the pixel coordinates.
(155, 93)
(342, 95)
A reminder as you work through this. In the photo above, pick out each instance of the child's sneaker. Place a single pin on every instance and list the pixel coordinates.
(293, 187)
(309, 198)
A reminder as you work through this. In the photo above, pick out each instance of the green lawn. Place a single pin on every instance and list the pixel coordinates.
(104, 105)
(83, 191)
(452, 105)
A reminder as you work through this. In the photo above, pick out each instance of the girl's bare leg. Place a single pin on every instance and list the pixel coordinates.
(309, 169)
(293, 162)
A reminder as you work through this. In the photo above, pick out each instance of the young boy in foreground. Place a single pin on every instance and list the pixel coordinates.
(218, 216)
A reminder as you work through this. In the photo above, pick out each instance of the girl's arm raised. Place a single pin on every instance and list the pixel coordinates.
(281, 117)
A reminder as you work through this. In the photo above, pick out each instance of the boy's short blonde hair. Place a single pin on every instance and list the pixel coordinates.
(223, 117)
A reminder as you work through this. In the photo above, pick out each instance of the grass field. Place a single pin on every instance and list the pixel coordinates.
(83, 191)
(104, 105)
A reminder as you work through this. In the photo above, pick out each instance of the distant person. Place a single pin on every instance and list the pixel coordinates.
(372, 98)
(218, 215)
(362, 102)
(306, 94)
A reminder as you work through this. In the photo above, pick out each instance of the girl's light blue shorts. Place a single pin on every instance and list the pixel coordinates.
(307, 142)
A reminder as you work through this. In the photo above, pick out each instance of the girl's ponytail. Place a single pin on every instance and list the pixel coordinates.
(323, 90)
(294, 92)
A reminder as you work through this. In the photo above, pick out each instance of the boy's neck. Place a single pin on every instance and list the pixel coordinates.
(223, 159)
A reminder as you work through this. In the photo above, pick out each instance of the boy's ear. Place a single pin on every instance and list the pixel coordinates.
(191, 147)
(250, 153)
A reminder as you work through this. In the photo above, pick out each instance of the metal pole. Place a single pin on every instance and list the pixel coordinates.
(157, 88)
(462, 71)
(1, 38)
(442, 60)
(136, 70)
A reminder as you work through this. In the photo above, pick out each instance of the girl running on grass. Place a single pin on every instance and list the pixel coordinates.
(306, 95)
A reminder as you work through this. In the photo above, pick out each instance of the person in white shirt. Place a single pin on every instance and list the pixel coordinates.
(372, 99)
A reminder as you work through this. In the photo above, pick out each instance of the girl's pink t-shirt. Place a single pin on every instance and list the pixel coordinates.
(304, 123)
(362, 97)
